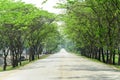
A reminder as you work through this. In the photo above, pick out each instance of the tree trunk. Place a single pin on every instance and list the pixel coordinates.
(13, 60)
(33, 57)
(38, 55)
(110, 59)
(30, 54)
(103, 57)
(5, 63)
(16, 59)
(20, 60)
(114, 58)
(99, 54)
(118, 57)
(107, 57)
(96, 55)
(5, 59)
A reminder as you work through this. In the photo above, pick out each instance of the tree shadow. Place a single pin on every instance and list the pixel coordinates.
(87, 68)
(93, 73)
(91, 77)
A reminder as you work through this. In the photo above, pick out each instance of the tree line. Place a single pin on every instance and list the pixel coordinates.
(94, 27)
(25, 27)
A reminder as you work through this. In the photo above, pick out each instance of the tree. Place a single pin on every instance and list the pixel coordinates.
(93, 25)
(24, 26)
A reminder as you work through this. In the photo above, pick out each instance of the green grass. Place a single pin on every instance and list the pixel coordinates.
(9, 67)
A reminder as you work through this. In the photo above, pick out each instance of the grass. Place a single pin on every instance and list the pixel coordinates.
(9, 67)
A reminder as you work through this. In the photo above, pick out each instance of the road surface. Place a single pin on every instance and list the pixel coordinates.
(63, 66)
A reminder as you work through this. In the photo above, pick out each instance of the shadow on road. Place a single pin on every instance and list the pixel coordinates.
(66, 66)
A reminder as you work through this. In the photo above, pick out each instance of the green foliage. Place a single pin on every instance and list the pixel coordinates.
(92, 25)
(24, 26)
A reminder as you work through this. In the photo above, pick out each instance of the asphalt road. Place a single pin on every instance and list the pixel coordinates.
(63, 66)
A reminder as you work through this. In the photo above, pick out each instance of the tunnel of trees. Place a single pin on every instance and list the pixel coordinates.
(90, 27)
(93, 27)
(25, 27)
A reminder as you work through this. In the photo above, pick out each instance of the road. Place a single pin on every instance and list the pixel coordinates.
(63, 66)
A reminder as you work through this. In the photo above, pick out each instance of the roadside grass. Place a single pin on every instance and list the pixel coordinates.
(116, 67)
(9, 67)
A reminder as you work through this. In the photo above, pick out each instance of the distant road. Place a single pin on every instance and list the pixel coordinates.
(63, 66)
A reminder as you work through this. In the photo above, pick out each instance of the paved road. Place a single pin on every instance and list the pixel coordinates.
(63, 66)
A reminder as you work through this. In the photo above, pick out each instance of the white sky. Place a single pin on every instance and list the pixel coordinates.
(47, 6)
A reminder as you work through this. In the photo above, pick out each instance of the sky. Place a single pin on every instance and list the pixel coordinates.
(47, 6)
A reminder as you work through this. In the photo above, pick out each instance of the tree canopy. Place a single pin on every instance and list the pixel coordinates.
(25, 27)
(94, 27)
